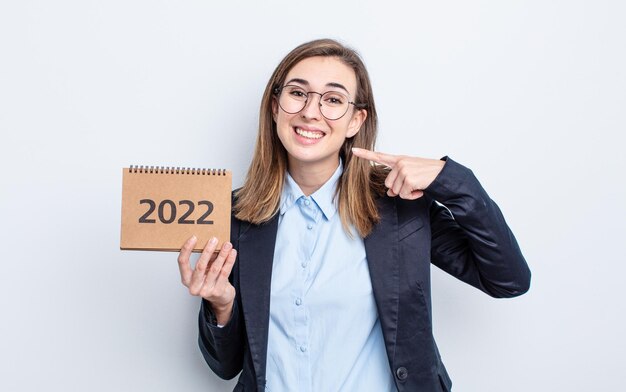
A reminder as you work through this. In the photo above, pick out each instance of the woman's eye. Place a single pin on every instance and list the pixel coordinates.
(334, 100)
(298, 93)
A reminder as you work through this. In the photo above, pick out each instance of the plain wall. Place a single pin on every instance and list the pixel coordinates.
(529, 94)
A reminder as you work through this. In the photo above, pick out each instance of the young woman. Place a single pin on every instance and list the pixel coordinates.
(325, 285)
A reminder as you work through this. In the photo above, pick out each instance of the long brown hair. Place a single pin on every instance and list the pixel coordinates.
(258, 200)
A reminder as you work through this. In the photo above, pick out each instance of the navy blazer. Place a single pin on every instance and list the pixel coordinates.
(468, 238)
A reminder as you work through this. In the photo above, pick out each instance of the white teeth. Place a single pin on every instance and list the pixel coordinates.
(309, 134)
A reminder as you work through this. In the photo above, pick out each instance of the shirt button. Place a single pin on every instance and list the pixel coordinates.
(304, 264)
(306, 202)
(309, 226)
(303, 349)
(402, 373)
(298, 301)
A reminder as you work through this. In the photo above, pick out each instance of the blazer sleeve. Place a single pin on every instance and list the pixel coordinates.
(223, 347)
(470, 238)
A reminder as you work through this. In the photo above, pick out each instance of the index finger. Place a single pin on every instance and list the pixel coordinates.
(378, 157)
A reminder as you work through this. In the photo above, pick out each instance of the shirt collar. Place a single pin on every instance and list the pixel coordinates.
(323, 197)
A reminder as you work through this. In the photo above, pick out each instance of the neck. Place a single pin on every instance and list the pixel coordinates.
(311, 177)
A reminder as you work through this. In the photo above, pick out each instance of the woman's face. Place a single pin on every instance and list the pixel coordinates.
(312, 140)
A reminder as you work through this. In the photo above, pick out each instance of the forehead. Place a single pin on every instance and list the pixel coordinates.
(322, 72)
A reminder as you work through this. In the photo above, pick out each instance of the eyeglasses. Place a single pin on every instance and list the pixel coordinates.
(333, 104)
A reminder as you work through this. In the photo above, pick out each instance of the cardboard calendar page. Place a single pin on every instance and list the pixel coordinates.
(163, 207)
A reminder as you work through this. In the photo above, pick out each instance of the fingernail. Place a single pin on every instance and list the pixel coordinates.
(193, 238)
(355, 149)
(213, 241)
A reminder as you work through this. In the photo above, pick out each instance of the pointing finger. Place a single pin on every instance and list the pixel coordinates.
(378, 157)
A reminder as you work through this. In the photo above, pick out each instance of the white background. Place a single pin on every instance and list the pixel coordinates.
(531, 95)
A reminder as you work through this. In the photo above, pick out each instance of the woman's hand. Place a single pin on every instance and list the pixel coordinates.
(209, 279)
(409, 176)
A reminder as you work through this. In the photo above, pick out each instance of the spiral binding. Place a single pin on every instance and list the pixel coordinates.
(176, 170)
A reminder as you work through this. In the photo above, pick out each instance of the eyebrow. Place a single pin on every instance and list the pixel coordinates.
(331, 84)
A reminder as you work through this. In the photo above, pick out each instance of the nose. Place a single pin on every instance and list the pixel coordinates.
(312, 107)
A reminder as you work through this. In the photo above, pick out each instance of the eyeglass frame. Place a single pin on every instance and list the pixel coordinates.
(279, 90)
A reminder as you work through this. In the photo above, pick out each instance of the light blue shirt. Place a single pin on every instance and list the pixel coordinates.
(324, 331)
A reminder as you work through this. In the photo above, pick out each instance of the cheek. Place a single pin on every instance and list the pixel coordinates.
(281, 120)
(283, 125)
(341, 128)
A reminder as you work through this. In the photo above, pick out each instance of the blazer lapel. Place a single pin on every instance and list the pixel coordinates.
(256, 253)
(381, 247)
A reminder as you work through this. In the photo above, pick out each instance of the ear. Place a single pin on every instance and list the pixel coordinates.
(356, 121)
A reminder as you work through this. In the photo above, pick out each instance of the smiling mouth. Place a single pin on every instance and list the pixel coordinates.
(309, 134)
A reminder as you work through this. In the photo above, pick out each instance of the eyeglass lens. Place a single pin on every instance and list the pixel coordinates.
(333, 104)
